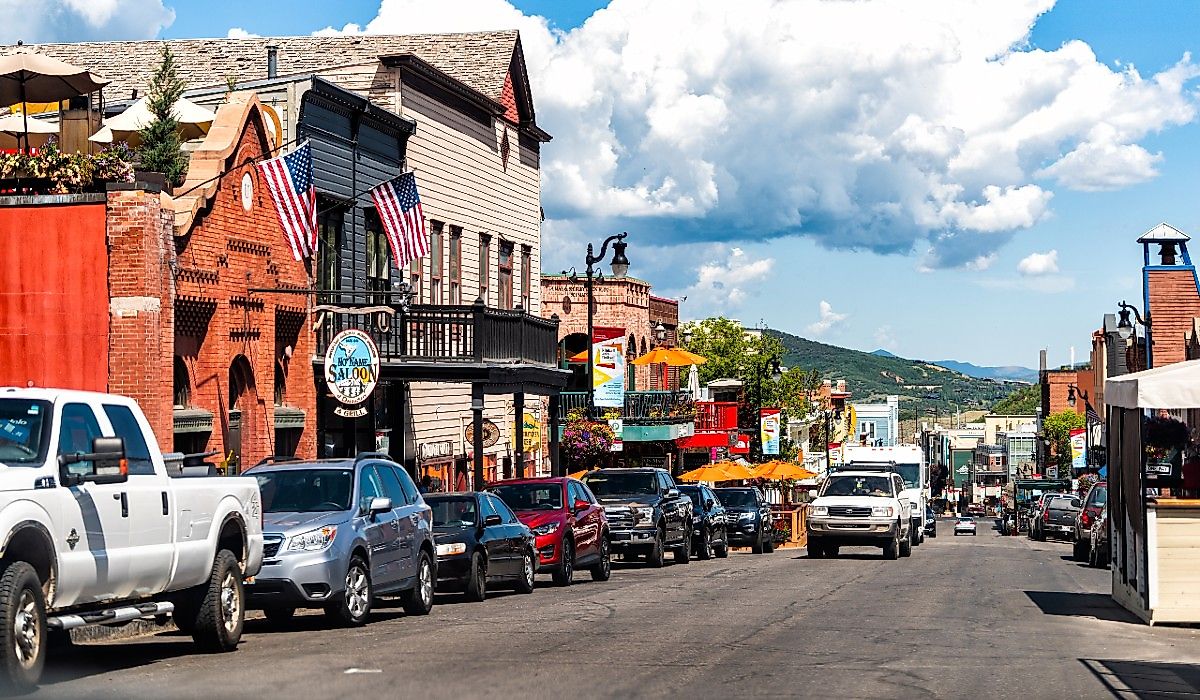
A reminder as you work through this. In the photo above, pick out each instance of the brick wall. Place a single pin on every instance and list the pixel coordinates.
(1055, 390)
(1173, 302)
(619, 304)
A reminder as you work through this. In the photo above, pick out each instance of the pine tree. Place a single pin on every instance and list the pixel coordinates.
(161, 150)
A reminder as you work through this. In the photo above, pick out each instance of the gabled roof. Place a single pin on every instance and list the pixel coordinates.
(1164, 233)
(481, 60)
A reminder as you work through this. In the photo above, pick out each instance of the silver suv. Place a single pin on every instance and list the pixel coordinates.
(339, 532)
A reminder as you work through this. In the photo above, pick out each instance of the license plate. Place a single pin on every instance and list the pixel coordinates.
(249, 580)
(621, 535)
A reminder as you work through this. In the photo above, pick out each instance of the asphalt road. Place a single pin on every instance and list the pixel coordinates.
(986, 616)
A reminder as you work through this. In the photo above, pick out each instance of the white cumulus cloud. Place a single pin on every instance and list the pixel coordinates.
(827, 320)
(39, 21)
(239, 33)
(884, 338)
(724, 283)
(1039, 264)
(875, 124)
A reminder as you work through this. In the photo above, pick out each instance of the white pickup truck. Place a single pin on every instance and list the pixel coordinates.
(96, 532)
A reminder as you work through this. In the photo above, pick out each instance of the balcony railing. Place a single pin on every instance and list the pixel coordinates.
(641, 407)
(716, 416)
(453, 334)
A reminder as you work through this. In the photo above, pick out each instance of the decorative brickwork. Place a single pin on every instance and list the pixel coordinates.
(1173, 304)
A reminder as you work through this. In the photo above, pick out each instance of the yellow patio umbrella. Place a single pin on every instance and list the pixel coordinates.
(777, 470)
(734, 471)
(709, 472)
(673, 357)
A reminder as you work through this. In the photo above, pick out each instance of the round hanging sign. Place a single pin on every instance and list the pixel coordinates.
(351, 366)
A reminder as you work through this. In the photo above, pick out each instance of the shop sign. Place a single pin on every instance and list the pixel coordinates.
(531, 432)
(743, 445)
(351, 371)
(618, 428)
(440, 449)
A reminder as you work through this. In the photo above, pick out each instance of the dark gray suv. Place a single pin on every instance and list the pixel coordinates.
(339, 532)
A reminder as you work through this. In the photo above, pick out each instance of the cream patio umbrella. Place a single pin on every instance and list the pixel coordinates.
(15, 126)
(31, 77)
(194, 122)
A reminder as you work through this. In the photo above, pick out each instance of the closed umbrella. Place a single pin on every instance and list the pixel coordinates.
(32, 77)
(15, 126)
(693, 382)
(194, 121)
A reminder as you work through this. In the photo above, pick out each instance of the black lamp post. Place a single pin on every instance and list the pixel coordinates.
(1127, 330)
(772, 366)
(1087, 420)
(620, 268)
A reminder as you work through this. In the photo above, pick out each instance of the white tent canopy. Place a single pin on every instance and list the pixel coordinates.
(1171, 386)
(194, 122)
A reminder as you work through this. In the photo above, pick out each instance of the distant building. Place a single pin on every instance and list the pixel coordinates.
(878, 424)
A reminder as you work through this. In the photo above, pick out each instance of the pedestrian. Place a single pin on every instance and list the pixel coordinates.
(426, 483)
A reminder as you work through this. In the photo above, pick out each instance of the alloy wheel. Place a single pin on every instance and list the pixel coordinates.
(426, 585)
(231, 602)
(26, 635)
(358, 592)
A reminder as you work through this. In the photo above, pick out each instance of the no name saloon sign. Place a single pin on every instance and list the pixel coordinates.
(351, 371)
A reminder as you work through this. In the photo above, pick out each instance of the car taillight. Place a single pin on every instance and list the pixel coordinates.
(1085, 519)
(1046, 515)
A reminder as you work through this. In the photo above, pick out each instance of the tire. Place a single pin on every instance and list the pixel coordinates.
(906, 548)
(892, 549)
(831, 551)
(722, 550)
(528, 571)
(704, 549)
(913, 537)
(418, 600)
(476, 589)
(602, 570)
(769, 545)
(279, 616)
(23, 614)
(222, 612)
(566, 569)
(656, 556)
(683, 553)
(354, 606)
(757, 547)
(815, 551)
(1078, 553)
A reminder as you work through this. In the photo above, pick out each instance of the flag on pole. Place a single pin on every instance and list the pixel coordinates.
(290, 180)
(399, 208)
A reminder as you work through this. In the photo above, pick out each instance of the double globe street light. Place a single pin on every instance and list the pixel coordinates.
(620, 268)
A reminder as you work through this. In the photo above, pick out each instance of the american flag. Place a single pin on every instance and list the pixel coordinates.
(290, 180)
(399, 208)
(1092, 416)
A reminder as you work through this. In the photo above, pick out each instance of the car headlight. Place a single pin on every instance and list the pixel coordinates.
(449, 549)
(883, 511)
(820, 510)
(545, 528)
(746, 516)
(645, 513)
(313, 540)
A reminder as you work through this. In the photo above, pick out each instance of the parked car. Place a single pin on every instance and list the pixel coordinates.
(1099, 554)
(867, 509)
(708, 522)
(98, 531)
(480, 541)
(1054, 518)
(975, 510)
(569, 525)
(964, 526)
(930, 523)
(748, 518)
(339, 533)
(1093, 505)
(647, 514)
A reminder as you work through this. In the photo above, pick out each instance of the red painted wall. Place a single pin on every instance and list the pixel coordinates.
(54, 296)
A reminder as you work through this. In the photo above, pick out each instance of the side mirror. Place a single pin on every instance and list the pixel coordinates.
(105, 464)
(708, 504)
(1076, 503)
(581, 505)
(492, 520)
(379, 504)
(672, 493)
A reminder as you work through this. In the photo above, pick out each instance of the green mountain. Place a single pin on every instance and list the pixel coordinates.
(922, 386)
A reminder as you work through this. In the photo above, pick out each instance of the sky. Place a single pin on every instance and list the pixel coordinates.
(948, 179)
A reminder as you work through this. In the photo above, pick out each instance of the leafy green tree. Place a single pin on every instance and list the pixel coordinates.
(1057, 429)
(1022, 402)
(161, 150)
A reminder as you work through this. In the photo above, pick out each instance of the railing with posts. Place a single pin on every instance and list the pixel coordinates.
(716, 416)
(641, 407)
(443, 333)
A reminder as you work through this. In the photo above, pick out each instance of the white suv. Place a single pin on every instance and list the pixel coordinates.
(864, 508)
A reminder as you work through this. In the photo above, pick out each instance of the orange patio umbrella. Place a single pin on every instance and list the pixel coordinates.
(734, 471)
(777, 470)
(709, 472)
(673, 357)
(578, 474)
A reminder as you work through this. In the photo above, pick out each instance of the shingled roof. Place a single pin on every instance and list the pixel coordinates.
(481, 60)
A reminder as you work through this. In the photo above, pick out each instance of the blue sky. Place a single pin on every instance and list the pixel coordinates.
(987, 313)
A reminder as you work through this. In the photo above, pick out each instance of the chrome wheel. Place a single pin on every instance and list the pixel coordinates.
(358, 592)
(27, 638)
(529, 569)
(231, 602)
(426, 585)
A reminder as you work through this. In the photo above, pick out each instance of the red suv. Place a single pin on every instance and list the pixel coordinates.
(1093, 506)
(569, 524)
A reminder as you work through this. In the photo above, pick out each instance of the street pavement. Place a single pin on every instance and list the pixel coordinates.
(985, 617)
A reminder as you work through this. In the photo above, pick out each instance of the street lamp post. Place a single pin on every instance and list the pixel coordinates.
(770, 365)
(620, 267)
(1072, 389)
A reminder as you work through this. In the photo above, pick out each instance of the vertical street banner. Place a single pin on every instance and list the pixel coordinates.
(1078, 448)
(608, 366)
(769, 428)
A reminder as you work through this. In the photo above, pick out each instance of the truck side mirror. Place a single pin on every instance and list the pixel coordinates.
(672, 493)
(105, 464)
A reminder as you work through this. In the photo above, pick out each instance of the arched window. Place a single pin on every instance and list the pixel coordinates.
(183, 384)
(241, 380)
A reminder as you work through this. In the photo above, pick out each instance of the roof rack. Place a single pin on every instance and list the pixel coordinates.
(275, 459)
(889, 466)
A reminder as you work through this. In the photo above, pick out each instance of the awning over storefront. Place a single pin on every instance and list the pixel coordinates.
(1171, 386)
(704, 440)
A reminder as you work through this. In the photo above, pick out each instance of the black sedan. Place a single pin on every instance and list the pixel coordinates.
(708, 522)
(480, 542)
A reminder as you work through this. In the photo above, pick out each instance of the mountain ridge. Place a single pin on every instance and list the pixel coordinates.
(1015, 373)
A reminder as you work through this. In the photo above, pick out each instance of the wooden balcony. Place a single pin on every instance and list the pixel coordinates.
(641, 407)
(716, 416)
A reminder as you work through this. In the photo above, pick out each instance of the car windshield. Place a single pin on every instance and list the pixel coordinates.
(452, 511)
(737, 498)
(531, 496)
(911, 473)
(1099, 496)
(305, 490)
(617, 483)
(22, 430)
(858, 486)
